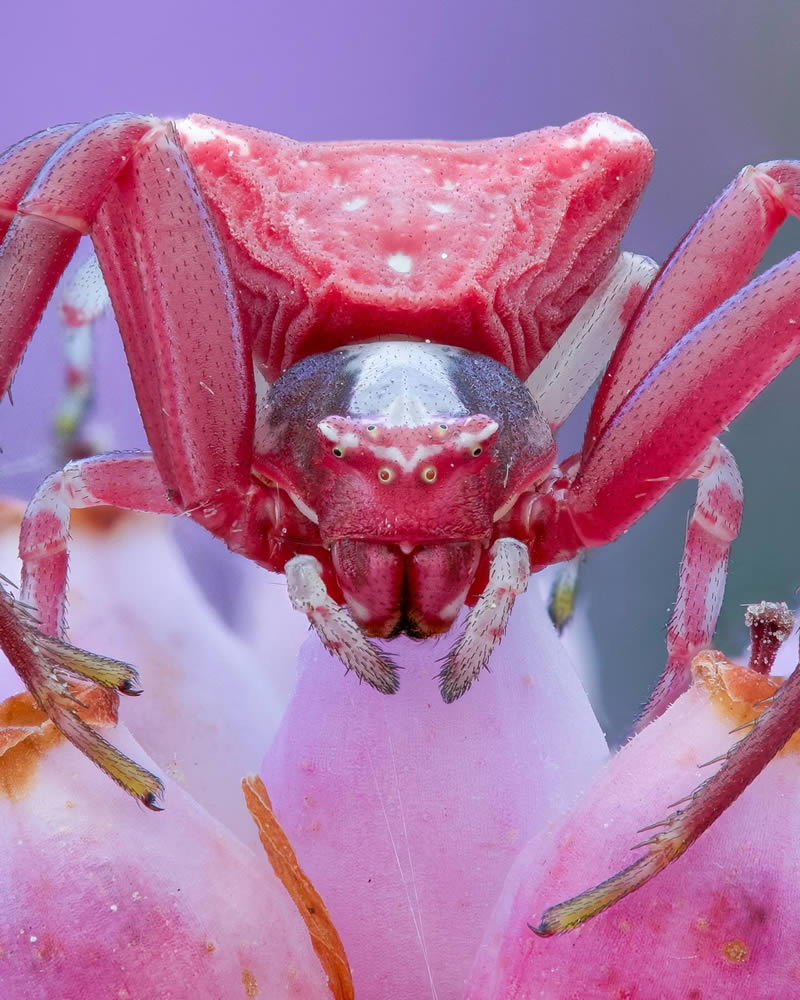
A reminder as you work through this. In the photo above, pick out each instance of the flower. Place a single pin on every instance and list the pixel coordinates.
(405, 819)
(102, 899)
(719, 922)
(405, 812)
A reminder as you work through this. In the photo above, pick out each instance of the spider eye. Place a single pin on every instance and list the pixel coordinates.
(442, 427)
(371, 428)
(476, 451)
(429, 474)
(338, 452)
(385, 475)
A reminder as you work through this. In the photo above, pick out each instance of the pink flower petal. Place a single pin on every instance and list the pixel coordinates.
(406, 812)
(719, 922)
(104, 901)
(267, 622)
(209, 709)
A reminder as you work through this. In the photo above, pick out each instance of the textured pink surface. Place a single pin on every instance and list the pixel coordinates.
(102, 900)
(407, 813)
(209, 707)
(488, 245)
(719, 922)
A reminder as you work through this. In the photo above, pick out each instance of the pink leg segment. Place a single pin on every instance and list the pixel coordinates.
(84, 301)
(659, 434)
(713, 526)
(131, 482)
(20, 165)
(179, 320)
(56, 210)
(716, 257)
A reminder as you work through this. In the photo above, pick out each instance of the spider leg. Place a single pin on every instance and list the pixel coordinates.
(713, 526)
(84, 301)
(179, 320)
(566, 373)
(36, 646)
(126, 180)
(57, 207)
(712, 262)
(563, 591)
(741, 764)
(336, 629)
(20, 164)
(509, 571)
(130, 481)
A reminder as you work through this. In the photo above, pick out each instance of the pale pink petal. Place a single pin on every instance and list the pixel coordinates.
(267, 622)
(209, 710)
(105, 901)
(719, 922)
(577, 637)
(407, 812)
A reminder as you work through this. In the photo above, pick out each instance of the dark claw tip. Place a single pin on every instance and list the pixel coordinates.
(389, 683)
(542, 930)
(151, 801)
(449, 691)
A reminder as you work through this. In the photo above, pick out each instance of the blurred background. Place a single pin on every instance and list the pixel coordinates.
(714, 85)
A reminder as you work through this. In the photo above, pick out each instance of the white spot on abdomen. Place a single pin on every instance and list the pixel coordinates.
(400, 262)
(354, 204)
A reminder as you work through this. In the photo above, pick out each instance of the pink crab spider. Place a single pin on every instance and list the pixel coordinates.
(350, 360)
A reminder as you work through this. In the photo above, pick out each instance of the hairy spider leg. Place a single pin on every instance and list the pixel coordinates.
(714, 524)
(337, 631)
(643, 438)
(509, 571)
(84, 301)
(118, 178)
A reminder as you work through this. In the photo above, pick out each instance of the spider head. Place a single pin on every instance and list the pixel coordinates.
(407, 481)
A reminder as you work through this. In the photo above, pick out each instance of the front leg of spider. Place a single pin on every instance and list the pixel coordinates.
(337, 631)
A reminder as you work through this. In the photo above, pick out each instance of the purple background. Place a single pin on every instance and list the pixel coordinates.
(714, 85)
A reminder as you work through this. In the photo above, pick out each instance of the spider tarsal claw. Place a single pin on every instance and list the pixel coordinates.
(132, 777)
(42, 662)
(116, 675)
